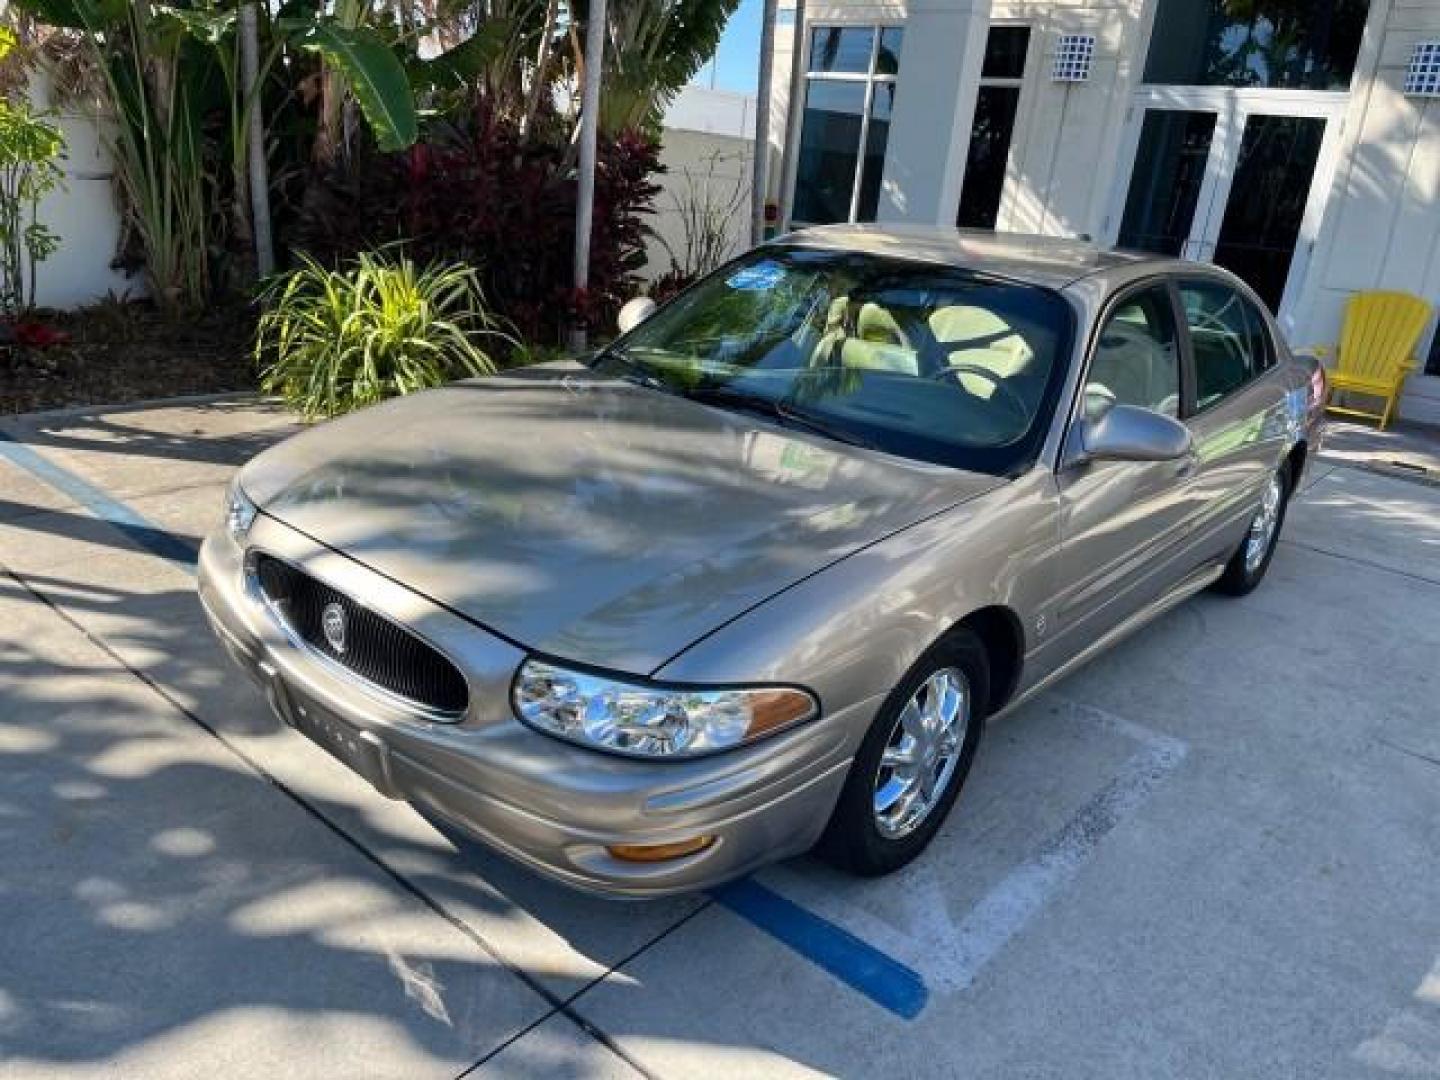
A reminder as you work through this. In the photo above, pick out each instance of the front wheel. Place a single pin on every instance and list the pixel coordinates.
(1247, 566)
(913, 760)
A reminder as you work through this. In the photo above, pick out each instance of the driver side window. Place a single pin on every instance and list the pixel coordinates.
(1136, 359)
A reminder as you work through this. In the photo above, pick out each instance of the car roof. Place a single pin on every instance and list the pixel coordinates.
(1048, 261)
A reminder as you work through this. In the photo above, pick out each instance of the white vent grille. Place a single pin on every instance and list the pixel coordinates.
(1073, 55)
(1422, 77)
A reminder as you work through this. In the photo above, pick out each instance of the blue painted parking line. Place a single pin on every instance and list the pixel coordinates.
(101, 505)
(877, 975)
(829, 947)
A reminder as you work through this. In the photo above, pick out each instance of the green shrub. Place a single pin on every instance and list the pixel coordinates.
(31, 149)
(334, 340)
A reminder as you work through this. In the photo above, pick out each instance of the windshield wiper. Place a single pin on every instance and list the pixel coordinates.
(637, 372)
(776, 410)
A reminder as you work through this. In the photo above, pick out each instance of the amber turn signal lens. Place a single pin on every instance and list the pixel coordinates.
(771, 710)
(660, 852)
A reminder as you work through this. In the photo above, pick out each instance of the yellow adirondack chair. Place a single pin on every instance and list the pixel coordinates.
(1377, 350)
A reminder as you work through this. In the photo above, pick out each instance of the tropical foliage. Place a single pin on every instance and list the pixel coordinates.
(334, 340)
(31, 147)
(491, 196)
(448, 124)
(164, 73)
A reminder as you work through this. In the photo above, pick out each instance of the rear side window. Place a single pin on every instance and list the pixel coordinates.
(1228, 337)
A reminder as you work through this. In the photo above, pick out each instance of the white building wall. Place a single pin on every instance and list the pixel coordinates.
(705, 148)
(1066, 139)
(85, 217)
(1064, 145)
(1381, 225)
(940, 61)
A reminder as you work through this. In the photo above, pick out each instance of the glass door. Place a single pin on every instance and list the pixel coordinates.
(1230, 178)
(1171, 163)
(1256, 231)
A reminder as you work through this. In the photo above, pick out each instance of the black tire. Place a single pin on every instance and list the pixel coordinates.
(853, 840)
(1238, 579)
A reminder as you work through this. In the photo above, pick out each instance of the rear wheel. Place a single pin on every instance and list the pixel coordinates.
(913, 761)
(1247, 566)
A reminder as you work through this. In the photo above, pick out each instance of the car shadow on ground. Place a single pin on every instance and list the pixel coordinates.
(223, 432)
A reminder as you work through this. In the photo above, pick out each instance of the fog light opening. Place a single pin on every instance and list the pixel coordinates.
(653, 853)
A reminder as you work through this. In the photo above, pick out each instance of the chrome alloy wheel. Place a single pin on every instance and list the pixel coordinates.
(1262, 528)
(922, 753)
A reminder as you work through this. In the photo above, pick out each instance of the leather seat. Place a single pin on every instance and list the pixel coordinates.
(879, 344)
(977, 337)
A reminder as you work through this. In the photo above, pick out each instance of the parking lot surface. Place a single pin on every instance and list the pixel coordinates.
(1215, 851)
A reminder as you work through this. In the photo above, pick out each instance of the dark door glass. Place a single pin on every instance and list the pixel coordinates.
(829, 146)
(841, 48)
(1165, 183)
(1005, 48)
(989, 151)
(1267, 201)
(1302, 44)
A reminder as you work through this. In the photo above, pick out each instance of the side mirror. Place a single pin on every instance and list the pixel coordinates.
(1129, 433)
(634, 313)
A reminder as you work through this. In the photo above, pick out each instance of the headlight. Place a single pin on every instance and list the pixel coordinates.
(652, 721)
(239, 511)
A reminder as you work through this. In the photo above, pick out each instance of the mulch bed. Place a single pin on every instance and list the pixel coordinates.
(123, 352)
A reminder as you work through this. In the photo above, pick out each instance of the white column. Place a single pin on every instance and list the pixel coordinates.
(934, 106)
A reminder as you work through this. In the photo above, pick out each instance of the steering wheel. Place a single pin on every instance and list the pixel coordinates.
(1014, 400)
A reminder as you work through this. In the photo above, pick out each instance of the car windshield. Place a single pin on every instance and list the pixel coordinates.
(938, 363)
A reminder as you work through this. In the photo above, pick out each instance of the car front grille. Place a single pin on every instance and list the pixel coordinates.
(375, 649)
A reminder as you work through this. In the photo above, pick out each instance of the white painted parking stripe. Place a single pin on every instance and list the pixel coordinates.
(948, 954)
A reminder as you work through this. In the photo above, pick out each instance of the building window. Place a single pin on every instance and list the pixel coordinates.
(995, 106)
(849, 98)
(1292, 44)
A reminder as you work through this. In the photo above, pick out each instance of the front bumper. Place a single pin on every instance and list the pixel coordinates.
(550, 805)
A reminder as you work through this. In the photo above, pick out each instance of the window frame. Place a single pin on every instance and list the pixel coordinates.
(1257, 308)
(870, 77)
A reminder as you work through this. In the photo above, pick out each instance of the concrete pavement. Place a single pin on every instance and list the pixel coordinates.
(1213, 852)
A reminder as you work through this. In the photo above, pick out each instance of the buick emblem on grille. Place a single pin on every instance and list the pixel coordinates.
(332, 622)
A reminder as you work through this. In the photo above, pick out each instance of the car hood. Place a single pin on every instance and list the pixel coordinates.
(590, 518)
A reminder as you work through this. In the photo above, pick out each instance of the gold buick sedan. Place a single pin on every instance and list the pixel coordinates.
(752, 578)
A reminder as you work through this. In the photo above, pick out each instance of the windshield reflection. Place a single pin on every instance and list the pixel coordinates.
(937, 363)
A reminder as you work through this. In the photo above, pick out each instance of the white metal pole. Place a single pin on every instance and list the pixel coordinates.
(589, 129)
(760, 175)
(794, 110)
(255, 135)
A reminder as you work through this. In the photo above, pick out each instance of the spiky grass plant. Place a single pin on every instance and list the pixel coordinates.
(330, 341)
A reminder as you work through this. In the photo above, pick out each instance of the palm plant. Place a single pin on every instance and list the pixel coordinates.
(653, 49)
(331, 341)
(515, 52)
(162, 68)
